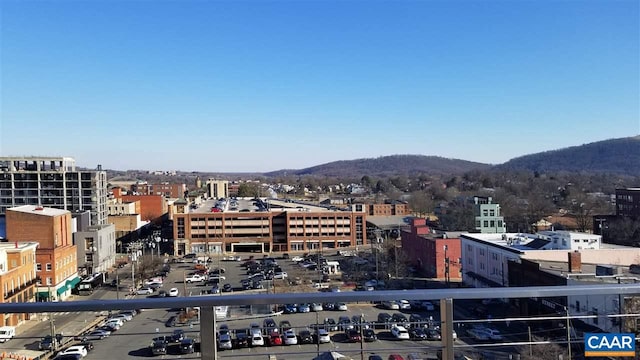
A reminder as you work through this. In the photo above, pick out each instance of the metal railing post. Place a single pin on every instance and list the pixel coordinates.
(446, 326)
(207, 333)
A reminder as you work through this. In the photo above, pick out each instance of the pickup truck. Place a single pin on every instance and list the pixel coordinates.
(194, 278)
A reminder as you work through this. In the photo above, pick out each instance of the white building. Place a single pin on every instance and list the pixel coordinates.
(484, 257)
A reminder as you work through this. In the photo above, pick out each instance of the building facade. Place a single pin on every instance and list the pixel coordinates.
(53, 182)
(17, 278)
(436, 255)
(151, 207)
(56, 256)
(96, 248)
(388, 209)
(267, 231)
(488, 217)
(217, 188)
(165, 189)
(628, 203)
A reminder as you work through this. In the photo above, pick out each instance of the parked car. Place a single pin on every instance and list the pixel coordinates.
(47, 342)
(173, 292)
(284, 325)
(399, 318)
(304, 308)
(76, 349)
(345, 323)
(158, 347)
(316, 307)
(275, 339)
(144, 291)
(417, 333)
(171, 321)
(269, 326)
(368, 335)
(242, 339)
(290, 309)
(227, 288)
(257, 339)
(404, 305)
(330, 324)
(290, 338)
(433, 334)
(353, 335)
(384, 321)
(322, 336)
(97, 335)
(187, 346)
(305, 337)
(391, 305)
(224, 341)
(194, 278)
(177, 335)
(399, 332)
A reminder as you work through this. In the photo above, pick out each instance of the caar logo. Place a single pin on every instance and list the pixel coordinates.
(610, 344)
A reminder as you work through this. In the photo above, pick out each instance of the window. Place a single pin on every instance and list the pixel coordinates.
(493, 223)
(485, 212)
(48, 267)
(38, 267)
(49, 281)
(492, 212)
(486, 223)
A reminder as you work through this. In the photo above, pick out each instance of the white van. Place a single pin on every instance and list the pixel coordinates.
(7, 333)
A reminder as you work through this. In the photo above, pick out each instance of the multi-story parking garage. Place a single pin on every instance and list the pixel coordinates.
(280, 227)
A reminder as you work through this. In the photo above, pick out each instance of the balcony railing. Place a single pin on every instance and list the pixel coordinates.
(446, 297)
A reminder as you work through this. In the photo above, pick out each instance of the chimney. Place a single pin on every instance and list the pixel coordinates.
(16, 244)
(575, 262)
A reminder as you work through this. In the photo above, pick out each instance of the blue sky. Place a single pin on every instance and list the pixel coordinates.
(265, 85)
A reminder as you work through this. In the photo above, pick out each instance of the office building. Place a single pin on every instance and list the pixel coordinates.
(488, 217)
(17, 277)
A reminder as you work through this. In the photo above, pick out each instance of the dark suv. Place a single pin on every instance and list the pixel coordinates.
(384, 321)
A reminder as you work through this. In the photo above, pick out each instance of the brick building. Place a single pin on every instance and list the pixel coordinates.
(437, 255)
(165, 189)
(56, 256)
(17, 277)
(388, 209)
(151, 207)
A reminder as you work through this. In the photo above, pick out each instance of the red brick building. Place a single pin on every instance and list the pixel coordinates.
(430, 252)
(152, 207)
(388, 209)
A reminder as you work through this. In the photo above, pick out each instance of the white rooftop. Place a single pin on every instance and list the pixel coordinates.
(39, 210)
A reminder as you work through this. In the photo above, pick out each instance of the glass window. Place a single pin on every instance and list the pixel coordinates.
(48, 267)
(38, 267)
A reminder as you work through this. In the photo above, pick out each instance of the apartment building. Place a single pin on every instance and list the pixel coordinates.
(217, 188)
(165, 189)
(281, 230)
(56, 255)
(488, 217)
(53, 182)
(17, 277)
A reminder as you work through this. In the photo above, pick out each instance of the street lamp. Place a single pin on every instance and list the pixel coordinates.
(447, 278)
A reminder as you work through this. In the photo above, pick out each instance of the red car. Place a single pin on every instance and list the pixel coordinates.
(275, 339)
(353, 335)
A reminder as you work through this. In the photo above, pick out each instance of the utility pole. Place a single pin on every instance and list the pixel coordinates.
(566, 308)
(117, 285)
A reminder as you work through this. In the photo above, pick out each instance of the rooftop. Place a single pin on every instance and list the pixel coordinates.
(17, 246)
(393, 221)
(39, 210)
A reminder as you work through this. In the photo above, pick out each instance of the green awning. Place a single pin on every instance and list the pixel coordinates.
(42, 293)
(61, 289)
(73, 282)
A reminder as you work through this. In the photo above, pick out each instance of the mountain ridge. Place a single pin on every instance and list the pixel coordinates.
(619, 156)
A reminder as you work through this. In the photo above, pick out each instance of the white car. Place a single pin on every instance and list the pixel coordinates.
(257, 340)
(78, 349)
(173, 292)
(115, 321)
(399, 332)
(323, 336)
(144, 291)
(123, 317)
(280, 275)
(341, 306)
(297, 259)
(316, 307)
(404, 305)
(391, 305)
(290, 338)
(194, 278)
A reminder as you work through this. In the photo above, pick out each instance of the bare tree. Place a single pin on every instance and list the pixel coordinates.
(421, 203)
